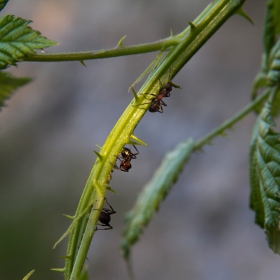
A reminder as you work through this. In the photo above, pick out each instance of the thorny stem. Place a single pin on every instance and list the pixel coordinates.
(229, 123)
(114, 52)
(94, 193)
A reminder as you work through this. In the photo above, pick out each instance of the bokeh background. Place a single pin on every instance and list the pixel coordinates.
(204, 229)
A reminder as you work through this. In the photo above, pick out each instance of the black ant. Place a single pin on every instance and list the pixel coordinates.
(126, 157)
(157, 103)
(105, 218)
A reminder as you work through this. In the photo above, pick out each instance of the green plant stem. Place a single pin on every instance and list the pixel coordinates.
(114, 52)
(122, 50)
(229, 123)
(94, 193)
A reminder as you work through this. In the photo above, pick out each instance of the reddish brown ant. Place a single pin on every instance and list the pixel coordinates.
(126, 157)
(157, 103)
(104, 217)
(156, 106)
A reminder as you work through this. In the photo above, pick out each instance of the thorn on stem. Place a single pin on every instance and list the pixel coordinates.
(58, 269)
(192, 25)
(69, 217)
(120, 43)
(83, 63)
(98, 154)
(135, 94)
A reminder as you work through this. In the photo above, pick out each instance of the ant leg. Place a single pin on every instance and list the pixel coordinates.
(109, 227)
(116, 167)
(140, 105)
(174, 85)
(124, 170)
(112, 210)
(118, 158)
(133, 156)
(163, 103)
(144, 93)
(145, 103)
(150, 94)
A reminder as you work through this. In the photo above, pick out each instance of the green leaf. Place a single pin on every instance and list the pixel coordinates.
(269, 28)
(273, 74)
(17, 40)
(272, 24)
(276, 18)
(268, 76)
(153, 194)
(255, 196)
(265, 176)
(3, 4)
(8, 84)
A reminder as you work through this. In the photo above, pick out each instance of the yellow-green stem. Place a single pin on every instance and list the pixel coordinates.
(94, 193)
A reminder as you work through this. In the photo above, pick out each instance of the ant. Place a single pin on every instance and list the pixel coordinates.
(156, 106)
(126, 157)
(105, 218)
(157, 103)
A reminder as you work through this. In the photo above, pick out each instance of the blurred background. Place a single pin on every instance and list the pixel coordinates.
(205, 228)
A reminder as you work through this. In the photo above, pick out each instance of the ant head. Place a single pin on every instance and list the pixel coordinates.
(126, 152)
(168, 86)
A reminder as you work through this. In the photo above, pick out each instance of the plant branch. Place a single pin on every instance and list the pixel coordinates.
(119, 50)
(229, 123)
(191, 40)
